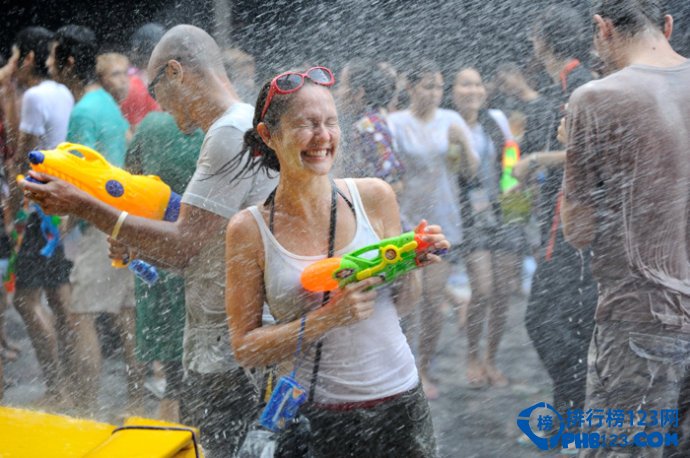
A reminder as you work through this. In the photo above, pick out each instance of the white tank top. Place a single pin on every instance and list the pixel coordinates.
(364, 361)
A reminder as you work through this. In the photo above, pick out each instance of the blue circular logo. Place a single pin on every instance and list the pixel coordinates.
(114, 188)
(543, 443)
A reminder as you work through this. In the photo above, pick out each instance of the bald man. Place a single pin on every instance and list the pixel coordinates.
(188, 80)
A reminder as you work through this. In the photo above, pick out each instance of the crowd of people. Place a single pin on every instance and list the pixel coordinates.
(578, 162)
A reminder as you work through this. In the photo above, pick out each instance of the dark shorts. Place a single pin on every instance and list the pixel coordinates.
(36, 271)
(401, 427)
(222, 406)
(508, 238)
(636, 367)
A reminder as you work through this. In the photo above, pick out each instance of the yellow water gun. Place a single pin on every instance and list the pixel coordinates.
(140, 195)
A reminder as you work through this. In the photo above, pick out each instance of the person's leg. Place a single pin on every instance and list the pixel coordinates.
(8, 350)
(222, 406)
(86, 375)
(58, 300)
(480, 274)
(42, 334)
(543, 320)
(431, 320)
(134, 369)
(506, 275)
(169, 407)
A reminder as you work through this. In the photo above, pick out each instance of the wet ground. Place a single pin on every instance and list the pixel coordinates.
(468, 423)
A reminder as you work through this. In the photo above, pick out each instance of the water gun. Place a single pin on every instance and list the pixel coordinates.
(511, 156)
(50, 228)
(140, 195)
(516, 207)
(396, 256)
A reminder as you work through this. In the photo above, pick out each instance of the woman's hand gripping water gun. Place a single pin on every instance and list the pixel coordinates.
(396, 256)
(139, 195)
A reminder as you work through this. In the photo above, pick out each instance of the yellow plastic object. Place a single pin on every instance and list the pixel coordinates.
(132, 442)
(139, 195)
(28, 434)
(391, 255)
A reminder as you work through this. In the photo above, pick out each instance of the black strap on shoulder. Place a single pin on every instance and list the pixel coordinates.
(269, 202)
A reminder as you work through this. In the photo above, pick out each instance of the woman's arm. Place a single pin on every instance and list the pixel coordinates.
(459, 144)
(254, 345)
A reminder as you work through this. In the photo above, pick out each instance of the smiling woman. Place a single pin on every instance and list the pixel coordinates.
(364, 391)
(494, 239)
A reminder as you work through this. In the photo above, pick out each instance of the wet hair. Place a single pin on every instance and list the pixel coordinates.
(421, 69)
(256, 155)
(36, 39)
(254, 145)
(80, 43)
(377, 82)
(631, 17)
(563, 30)
(144, 39)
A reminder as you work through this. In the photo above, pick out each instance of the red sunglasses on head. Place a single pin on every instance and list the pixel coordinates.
(289, 82)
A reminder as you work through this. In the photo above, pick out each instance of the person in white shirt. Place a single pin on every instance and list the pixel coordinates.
(45, 112)
(424, 135)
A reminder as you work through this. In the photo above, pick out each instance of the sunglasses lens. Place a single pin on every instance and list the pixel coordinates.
(289, 82)
(319, 75)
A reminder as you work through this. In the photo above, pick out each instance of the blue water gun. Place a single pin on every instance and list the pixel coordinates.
(50, 228)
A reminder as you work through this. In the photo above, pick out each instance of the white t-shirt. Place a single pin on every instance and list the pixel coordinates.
(206, 340)
(46, 108)
(430, 192)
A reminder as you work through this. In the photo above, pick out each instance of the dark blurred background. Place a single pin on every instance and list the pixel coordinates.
(283, 33)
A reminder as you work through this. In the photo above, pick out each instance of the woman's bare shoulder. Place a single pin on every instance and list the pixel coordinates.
(374, 191)
(243, 234)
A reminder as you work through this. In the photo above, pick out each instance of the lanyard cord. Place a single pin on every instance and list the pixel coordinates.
(270, 202)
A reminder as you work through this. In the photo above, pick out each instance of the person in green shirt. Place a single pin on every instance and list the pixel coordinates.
(95, 121)
(160, 148)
